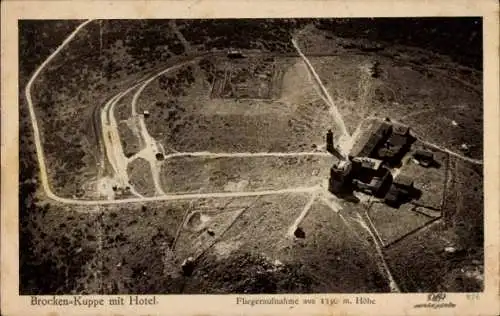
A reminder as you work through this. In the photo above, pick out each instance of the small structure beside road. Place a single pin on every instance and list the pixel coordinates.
(400, 192)
(423, 157)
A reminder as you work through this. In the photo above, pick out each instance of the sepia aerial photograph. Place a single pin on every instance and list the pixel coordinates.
(232, 156)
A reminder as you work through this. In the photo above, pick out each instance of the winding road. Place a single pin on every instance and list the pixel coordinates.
(112, 148)
(36, 131)
(118, 161)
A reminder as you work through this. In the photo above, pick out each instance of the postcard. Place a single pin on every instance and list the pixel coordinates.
(250, 158)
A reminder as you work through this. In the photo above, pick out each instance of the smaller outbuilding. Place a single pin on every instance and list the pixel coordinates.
(235, 54)
(403, 182)
(299, 233)
(159, 156)
(187, 266)
(425, 158)
(401, 191)
(393, 197)
(372, 181)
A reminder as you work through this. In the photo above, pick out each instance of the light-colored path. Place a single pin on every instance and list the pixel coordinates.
(426, 111)
(106, 134)
(173, 197)
(113, 146)
(303, 214)
(331, 203)
(381, 260)
(207, 154)
(151, 79)
(373, 229)
(108, 118)
(345, 137)
(36, 130)
(149, 152)
(187, 46)
(446, 150)
(151, 149)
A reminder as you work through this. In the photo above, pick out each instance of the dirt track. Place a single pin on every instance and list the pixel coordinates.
(119, 161)
(345, 137)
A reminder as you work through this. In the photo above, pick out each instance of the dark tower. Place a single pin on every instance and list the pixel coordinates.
(336, 184)
(340, 178)
(329, 141)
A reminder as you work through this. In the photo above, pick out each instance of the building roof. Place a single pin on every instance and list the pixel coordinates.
(370, 139)
(373, 179)
(403, 180)
(400, 129)
(398, 140)
(387, 152)
(368, 163)
(424, 153)
(372, 186)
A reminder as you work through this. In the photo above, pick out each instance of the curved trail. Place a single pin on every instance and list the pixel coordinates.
(381, 263)
(106, 118)
(152, 148)
(119, 163)
(151, 79)
(113, 145)
(36, 130)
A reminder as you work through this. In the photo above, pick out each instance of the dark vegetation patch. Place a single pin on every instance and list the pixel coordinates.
(432, 274)
(136, 251)
(247, 273)
(57, 250)
(57, 245)
(459, 38)
(39, 38)
(175, 85)
(272, 35)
